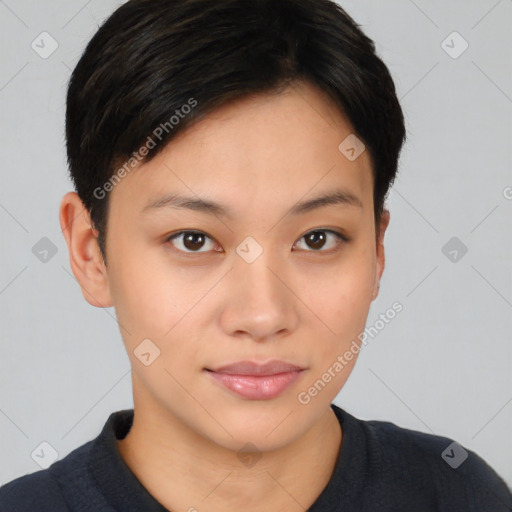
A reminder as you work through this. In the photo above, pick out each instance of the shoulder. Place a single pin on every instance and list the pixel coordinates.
(43, 490)
(457, 474)
(36, 491)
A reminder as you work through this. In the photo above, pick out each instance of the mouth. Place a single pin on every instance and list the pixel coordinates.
(256, 381)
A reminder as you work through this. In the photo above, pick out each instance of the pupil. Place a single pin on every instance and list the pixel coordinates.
(315, 237)
(191, 243)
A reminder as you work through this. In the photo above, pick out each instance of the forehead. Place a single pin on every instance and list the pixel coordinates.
(257, 152)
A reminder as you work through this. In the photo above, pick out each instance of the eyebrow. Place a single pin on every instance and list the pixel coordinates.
(339, 197)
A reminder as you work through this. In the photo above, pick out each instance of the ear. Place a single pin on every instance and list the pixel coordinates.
(380, 260)
(84, 254)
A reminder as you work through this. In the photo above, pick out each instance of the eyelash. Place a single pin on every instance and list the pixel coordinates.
(341, 238)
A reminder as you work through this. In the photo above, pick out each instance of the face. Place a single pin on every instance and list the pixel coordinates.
(255, 278)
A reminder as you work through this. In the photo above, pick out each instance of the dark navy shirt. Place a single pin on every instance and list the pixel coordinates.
(380, 468)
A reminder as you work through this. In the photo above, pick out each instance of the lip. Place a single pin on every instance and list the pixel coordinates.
(254, 380)
(256, 368)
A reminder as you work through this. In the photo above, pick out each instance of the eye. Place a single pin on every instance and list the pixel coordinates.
(191, 241)
(318, 239)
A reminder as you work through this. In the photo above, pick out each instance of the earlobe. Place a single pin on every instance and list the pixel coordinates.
(380, 256)
(84, 254)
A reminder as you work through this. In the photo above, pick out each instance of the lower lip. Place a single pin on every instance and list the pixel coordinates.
(253, 387)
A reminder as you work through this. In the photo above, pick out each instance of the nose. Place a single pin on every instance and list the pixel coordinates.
(259, 303)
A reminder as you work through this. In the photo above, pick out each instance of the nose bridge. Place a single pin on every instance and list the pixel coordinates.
(258, 303)
(255, 270)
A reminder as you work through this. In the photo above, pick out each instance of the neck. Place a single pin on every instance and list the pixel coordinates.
(185, 471)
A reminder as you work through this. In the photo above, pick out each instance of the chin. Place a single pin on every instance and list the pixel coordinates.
(267, 424)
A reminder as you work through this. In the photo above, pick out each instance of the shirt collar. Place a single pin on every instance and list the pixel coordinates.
(118, 484)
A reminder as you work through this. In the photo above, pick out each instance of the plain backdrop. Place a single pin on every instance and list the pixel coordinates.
(442, 365)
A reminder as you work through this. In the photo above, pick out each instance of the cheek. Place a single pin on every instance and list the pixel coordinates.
(342, 297)
(163, 302)
(147, 297)
(340, 301)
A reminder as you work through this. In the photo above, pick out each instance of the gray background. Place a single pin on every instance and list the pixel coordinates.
(441, 366)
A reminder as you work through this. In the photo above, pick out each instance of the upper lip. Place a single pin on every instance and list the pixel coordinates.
(257, 368)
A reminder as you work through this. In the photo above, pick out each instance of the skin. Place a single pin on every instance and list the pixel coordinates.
(298, 302)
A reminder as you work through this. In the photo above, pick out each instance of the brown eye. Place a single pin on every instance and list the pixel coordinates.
(319, 239)
(191, 241)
